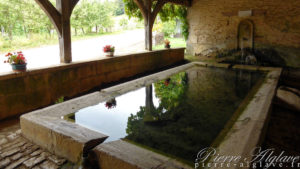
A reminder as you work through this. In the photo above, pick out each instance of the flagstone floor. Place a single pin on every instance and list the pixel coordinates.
(18, 152)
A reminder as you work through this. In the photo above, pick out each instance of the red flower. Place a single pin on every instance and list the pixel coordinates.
(167, 82)
(111, 103)
(108, 48)
(15, 58)
(9, 54)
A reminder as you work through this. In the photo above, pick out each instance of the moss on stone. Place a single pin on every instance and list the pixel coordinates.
(228, 127)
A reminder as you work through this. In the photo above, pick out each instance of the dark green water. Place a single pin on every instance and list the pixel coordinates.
(177, 116)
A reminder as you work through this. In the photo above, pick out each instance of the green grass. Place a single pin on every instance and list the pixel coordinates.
(38, 40)
(175, 43)
(21, 42)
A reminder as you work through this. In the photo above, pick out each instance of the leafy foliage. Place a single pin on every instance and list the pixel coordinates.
(168, 12)
(171, 90)
(19, 17)
(119, 10)
(169, 28)
(123, 23)
(25, 17)
(132, 10)
(90, 14)
(60, 100)
(171, 12)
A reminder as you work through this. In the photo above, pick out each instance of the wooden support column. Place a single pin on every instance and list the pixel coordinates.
(149, 16)
(148, 25)
(148, 35)
(65, 46)
(60, 18)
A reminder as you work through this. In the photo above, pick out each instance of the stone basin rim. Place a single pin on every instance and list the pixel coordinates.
(49, 120)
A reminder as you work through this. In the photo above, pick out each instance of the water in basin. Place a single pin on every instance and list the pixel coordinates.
(177, 116)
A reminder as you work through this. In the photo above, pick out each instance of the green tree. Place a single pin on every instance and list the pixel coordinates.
(34, 19)
(19, 17)
(11, 16)
(105, 15)
(123, 23)
(167, 13)
(92, 14)
(119, 10)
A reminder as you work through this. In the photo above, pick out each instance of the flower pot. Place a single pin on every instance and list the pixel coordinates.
(167, 46)
(19, 67)
(109, 54)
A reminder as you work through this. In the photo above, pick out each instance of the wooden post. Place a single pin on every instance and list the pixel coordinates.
(149, 16)
(65, 46)
(148, 25)
(60, 18)
(148, 35)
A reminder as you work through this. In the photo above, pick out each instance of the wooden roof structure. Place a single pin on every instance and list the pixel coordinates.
(149, 15)
(60, 18)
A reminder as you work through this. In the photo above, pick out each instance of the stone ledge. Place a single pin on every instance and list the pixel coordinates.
(121, 154)
(8, 75)
(42, 87)
(249, 130)
(60, 137)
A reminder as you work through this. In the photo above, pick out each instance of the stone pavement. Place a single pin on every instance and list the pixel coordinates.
(18, 152)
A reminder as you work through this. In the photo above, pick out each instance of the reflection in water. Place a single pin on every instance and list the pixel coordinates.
(179, 115)
(150, 110)
(111, 103)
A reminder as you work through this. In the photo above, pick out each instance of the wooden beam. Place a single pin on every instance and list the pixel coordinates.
(157, 8)
(142, 7)
(52, 13)
(73, 4)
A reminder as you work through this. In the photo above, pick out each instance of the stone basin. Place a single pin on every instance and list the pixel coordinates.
(47, 128)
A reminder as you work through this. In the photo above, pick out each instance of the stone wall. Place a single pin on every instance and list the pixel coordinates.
(24, 92)
(214, 27)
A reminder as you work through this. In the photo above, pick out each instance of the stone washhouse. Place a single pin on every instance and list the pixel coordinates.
(242, 60)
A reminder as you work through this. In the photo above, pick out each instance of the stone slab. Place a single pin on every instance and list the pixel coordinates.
(245, 13)
(121, 154)
(249, 130)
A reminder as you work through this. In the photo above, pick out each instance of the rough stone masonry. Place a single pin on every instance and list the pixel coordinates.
(214, 27)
